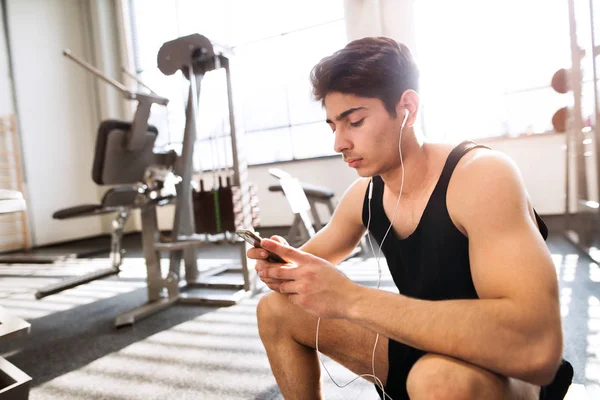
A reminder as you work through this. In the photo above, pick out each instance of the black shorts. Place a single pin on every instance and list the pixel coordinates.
(401, 359)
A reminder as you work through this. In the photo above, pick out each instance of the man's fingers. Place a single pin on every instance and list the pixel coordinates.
(286, 252)
(273, 281)
(257, 254)
(262, 265)
(279, 239)
(285, 272)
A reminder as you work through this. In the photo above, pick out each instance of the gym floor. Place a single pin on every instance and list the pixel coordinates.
(191, 352)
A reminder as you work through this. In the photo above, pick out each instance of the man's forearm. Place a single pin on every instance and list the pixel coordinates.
(493, 334)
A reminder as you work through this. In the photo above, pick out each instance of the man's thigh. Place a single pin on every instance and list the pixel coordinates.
(349, 344)
(456, 379)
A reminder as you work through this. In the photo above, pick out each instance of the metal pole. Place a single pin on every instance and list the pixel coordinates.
(97, 72)
(240, 165)
(232, 126)
(576, 136)
(184, 213)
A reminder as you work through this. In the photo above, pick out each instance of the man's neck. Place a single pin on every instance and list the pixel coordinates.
(415, 159)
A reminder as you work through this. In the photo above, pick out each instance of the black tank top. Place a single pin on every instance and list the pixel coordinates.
(433, 262)
(430, 264)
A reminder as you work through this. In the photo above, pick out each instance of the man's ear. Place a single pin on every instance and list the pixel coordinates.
(408, 101)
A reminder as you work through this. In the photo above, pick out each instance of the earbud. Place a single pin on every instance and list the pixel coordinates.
(371, 189)
(406, 114)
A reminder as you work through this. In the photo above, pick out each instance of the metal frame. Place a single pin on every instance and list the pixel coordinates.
(116, 257)
(110, 203)
(194, 55)
(581, 223)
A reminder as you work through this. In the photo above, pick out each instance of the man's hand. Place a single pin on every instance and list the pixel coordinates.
(309, 282)
(260, 256)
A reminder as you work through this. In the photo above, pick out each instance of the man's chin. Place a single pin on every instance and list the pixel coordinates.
(363, 173)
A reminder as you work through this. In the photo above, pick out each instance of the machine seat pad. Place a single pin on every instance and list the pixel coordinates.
(83, 210)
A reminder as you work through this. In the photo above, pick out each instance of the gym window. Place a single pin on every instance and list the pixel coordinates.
(470, 89)
(274, 55)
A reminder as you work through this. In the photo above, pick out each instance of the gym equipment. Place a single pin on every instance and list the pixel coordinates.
(124, 152)
(194, 56)
(125, 156)
(559, 120)
(302, 227)
(119, 200)
(582, 136)
(218, 205)
(560, 81)
(14, 383)
(217, 211)
(214, 208)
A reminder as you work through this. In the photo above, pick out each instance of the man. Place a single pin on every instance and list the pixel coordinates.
(477, 315)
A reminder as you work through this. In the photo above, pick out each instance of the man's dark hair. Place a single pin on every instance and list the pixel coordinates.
(375, 67)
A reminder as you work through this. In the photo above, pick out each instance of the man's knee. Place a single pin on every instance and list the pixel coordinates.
(270, 314)
(437, 377)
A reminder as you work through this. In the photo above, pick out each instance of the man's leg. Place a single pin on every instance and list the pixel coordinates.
(288, 334)
(440, 377)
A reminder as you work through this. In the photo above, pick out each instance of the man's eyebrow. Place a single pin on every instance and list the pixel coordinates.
(345, 114)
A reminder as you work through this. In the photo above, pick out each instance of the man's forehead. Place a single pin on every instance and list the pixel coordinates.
(335, 98)
(337, 103)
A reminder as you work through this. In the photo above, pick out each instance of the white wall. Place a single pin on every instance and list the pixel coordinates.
(57, 113)
(541, 160)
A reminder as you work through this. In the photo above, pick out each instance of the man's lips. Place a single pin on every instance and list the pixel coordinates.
(353, 161)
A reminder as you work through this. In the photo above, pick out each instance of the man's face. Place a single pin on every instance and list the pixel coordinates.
(365, 133)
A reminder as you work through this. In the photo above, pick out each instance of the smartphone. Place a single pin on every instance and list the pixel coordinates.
(254, 240)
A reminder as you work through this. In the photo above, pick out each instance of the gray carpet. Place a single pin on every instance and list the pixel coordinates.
(191, 352)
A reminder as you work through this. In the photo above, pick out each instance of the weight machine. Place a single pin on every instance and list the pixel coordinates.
(125, 156)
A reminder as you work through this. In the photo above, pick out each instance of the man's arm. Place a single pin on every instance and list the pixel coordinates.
(345, 229)
(514, 329)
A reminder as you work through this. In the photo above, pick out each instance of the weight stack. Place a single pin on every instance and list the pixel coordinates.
(221, 210)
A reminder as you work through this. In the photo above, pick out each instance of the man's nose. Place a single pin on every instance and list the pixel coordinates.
(341, 142)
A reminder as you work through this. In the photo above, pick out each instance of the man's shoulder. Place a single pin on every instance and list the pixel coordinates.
(351, 203)
(484, 181)
(487, 164)
(356, 191)
(478, 164)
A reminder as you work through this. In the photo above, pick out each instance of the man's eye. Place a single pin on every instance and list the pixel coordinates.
(357, 123)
